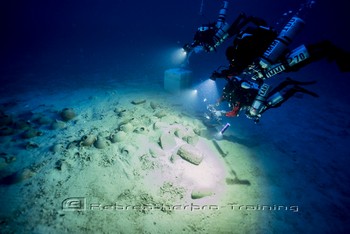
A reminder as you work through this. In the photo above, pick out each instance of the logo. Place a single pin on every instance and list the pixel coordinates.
(275, 70)
(74, 204)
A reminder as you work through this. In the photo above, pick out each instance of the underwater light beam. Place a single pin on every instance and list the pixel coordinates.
(179, 56)
(192, 94)
(209, 88)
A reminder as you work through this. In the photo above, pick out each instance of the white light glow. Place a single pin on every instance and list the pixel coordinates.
(209, 90)
(218, 136)
(179, 56)
(192, 94)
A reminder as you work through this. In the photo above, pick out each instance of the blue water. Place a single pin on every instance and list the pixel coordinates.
(83, 37)
(65, 45)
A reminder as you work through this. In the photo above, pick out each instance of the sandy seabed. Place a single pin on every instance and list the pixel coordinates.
(116, 167)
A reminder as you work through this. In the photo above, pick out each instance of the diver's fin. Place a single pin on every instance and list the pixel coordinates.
(302, 90)
(343, 62)
(295, 82)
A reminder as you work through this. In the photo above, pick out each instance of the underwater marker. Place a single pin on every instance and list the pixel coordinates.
(225, 128)
(219, 135)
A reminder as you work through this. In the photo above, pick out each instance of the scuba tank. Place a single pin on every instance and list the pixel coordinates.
(259, 103)
(296, 56)
(222, 26)
(280, 44)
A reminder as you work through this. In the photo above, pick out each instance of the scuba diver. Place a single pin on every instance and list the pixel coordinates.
(260, 52)
(255, 99)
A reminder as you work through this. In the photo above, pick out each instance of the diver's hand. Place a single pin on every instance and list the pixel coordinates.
(222, 74)
(198, 49)
(218, 113)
